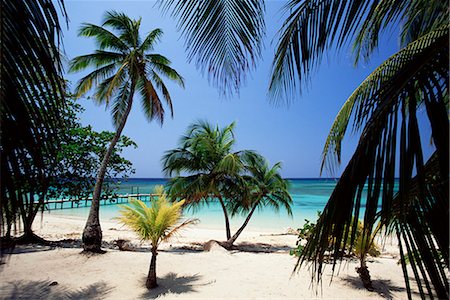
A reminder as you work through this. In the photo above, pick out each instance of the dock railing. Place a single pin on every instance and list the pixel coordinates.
(53, 204)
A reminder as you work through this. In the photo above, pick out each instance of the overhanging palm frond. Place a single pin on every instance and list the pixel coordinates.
(311, 27)
(417, 18)
(222, 37)
(417, 220)
(390, 77)
(32, 95)
(386, 105)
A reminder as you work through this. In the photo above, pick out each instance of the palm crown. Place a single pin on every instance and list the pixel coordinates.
(262, 185)
(157, 222)
(124, 64)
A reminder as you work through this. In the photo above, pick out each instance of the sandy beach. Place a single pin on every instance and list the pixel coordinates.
(260, 268)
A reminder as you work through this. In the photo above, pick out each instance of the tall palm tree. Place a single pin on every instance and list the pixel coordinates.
(31, 98)
(124, 64)
(156, 223)
(262, 186)
(384, 107)
(205, 154)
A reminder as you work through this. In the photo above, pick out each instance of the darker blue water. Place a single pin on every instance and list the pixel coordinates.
(309, 196)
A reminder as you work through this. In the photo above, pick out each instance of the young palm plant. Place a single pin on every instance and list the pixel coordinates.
(205, 153)
(262, 186)
(123, 65)
(156, 223)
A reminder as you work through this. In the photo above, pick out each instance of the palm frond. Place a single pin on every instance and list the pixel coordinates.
(311, 27)
(417, 58)
(387, 106)
(105, 39)
(157, 222)
(151, 39)
(151, 103)
(94, 78)
(98, 59)
(32, 96)
(222, 37)
(418, 17)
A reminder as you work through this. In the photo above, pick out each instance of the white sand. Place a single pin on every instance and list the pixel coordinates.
(182, 273)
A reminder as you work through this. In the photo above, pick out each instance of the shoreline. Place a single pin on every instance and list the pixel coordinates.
(261, 267)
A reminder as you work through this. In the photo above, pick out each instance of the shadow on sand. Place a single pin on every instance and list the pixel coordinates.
(384, 288)
(261, 248)
(174, 284)
(51, 290)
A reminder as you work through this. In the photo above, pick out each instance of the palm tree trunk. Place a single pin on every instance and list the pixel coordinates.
(229, 243)
(364, 274)
(92, 234)
(227, 220)
(151, 277)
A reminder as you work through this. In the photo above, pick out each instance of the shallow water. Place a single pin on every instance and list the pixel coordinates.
(309, 197)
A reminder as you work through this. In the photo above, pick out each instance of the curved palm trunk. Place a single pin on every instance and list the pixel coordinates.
(92, 234)
(227, 220)
(151, 277)
(364, 274)
(230, 241)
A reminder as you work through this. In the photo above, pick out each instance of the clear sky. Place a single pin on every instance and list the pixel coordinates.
(294, 135)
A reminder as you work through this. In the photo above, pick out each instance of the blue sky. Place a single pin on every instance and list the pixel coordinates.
(294, 135)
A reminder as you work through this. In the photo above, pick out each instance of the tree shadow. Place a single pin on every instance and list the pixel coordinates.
(174, 284)
(45, 289)
(260, 248)
(383, 287)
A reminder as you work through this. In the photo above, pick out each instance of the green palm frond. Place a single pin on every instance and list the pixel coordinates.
(417, 18)
(98, 59)
(388, 80)
(104, 38)
(120, 103)
(222, 37)
(151, 103)
(149, 41)
(157, 222)
(311, 27)
(417, 219)
(94, 78)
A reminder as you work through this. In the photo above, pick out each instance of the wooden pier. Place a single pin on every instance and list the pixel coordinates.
(116, 199)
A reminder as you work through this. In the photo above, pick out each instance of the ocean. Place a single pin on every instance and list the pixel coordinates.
(309, 196)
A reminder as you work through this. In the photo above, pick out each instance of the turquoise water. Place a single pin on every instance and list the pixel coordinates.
(309, 196)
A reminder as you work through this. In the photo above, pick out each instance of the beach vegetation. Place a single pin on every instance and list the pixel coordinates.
(242, 181)
(383, 110)
(156, 223)
(32, 96)
(80, 155)
(361, 248)
(205, 154)
(74, 169)
(260, 186)
(124, 64)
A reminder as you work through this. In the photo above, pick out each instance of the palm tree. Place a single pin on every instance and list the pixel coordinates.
(384, 108)
(262, 186)
(123, 65)
(31, 98)
(205, 153)
(156, 224)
